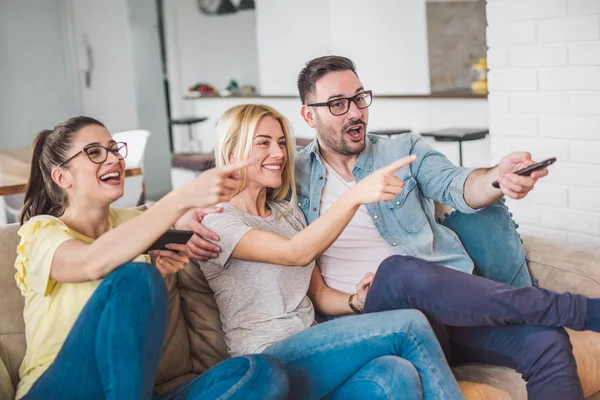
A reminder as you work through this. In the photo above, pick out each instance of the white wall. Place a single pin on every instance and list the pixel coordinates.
(210, 49)
(416, 114)
(387, 39)
(111, 95)
(36, 80)
(544, 60)
(288, 35)
(388, 42)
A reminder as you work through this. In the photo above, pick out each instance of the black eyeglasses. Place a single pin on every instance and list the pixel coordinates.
(342, 105)
(98, 154)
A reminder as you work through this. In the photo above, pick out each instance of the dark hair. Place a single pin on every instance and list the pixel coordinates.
(44, 196)
(317, 68)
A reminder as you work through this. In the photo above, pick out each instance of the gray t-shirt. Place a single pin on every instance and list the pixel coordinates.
(259, 303)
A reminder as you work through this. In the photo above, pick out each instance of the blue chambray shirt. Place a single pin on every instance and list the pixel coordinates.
(408, 221)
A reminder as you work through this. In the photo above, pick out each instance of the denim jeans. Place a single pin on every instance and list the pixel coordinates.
(113, 349)
(391, 355)
(479, 320)
(251, 377)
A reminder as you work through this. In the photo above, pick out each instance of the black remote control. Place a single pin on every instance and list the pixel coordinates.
(527, 171)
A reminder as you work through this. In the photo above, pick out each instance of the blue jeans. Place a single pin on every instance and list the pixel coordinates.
(391, 355)
(252, 377)
(479, 320)
(113, 349)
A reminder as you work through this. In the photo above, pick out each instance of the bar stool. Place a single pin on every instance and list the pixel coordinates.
(459, 135)
(390, 132)
(190, 122)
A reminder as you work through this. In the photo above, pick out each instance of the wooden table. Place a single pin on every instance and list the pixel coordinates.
(14, 170)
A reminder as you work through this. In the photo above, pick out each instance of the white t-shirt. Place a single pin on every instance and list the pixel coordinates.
(358, 250)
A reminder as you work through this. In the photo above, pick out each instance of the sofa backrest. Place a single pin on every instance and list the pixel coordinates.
(12, 326)
(175, 358)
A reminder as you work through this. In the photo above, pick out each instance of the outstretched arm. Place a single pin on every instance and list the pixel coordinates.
(308, 244)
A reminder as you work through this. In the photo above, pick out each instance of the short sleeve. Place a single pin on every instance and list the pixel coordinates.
(231, 229)
(40, 237)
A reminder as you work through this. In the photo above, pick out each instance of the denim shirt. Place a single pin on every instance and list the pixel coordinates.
(407, 222)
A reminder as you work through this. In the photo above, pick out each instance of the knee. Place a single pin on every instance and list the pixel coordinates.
(549, 349)
(409, 321)
(399, 267)
(140, 278)
(270, 377)
(413, 274)
(387, 376)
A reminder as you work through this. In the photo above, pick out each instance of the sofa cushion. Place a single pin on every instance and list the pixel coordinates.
(7, 390)
(175, 359)
(207, 340)
(12, 326)
(586, 348)
(491, 239)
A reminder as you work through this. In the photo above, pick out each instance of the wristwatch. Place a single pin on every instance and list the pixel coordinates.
(350, 299)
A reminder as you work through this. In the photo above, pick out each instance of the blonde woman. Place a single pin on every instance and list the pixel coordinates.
(262, 274)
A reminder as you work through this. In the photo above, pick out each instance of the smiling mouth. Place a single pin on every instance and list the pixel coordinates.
(274, 168)
(111, 178)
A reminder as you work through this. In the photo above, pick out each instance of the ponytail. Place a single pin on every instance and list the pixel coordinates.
(43, 195)
(37, 199)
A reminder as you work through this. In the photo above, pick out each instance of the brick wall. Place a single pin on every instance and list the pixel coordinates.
(544, 82)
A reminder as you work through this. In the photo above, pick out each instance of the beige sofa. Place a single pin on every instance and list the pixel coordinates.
(194, 340)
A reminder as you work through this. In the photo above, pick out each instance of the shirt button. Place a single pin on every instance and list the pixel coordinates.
(393, 244)
(314, 208)
(320, 178)
(299, 204)
(398, 203)
(375, 217)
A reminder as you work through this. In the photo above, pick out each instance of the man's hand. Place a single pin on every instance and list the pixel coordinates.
(513, 185)
(199, 248)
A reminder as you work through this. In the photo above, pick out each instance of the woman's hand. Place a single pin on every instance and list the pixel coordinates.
(381, 184)
(362, 288)
(169, 262)
(213, 186)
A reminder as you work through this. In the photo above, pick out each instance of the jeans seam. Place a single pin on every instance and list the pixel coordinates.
(242, 381)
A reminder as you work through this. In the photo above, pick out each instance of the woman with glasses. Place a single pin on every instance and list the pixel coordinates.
(95, 308)
(262, 295)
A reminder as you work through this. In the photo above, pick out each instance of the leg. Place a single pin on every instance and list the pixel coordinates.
(320, 359)
(113, 349)
(543, 356)
(252, 377)
(458, 299)
(386, 377)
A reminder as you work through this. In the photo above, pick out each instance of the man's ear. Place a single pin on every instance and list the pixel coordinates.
(308, 113)
(62, 177)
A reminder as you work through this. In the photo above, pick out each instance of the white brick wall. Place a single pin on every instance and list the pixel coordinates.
(544, 82)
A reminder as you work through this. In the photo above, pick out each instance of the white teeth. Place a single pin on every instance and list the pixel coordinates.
(110, 175)
(272, 167)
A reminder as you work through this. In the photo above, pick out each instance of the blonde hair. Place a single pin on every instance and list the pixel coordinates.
(235, 134)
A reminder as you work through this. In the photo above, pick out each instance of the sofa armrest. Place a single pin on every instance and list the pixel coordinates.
(562, 267)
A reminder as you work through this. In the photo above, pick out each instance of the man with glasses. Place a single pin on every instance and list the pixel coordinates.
(335, 104)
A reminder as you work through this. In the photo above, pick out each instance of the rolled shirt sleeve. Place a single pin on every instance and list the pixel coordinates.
(438, 178)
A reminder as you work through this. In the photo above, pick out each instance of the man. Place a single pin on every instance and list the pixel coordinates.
(335, 104)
